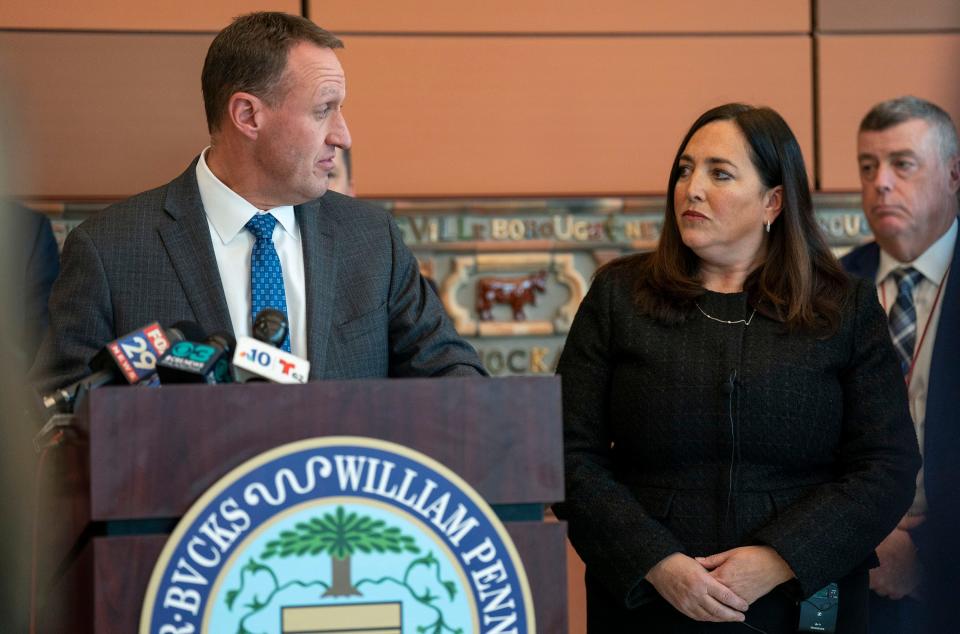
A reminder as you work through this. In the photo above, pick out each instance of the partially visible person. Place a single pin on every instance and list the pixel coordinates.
(17, 457)
(341, 176)
(909, 161)
(40, 264)
(341, 181)
(250, 225)
(736, 429)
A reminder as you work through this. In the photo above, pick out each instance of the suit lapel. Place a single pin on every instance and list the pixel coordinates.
(319, 271)
(187, 241)
(941, 433)
(864, 262)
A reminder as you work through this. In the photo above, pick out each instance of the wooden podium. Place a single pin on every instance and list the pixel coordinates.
(139, 457)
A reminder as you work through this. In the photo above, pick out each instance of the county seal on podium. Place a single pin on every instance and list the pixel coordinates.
(335, 535)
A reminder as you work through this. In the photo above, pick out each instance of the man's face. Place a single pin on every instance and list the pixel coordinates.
(340, 181)
(301, 131)
(909, 190)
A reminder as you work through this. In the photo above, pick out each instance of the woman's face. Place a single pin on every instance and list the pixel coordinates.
(720, 203)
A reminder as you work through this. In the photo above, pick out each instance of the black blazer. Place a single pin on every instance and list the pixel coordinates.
(705, 436)
(150, 258)
(938, 544)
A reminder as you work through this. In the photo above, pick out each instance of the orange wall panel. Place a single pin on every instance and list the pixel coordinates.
(887, 15)
(857, 71)
(447, 116)
(569, 16)
(102, 115)
(168, 15)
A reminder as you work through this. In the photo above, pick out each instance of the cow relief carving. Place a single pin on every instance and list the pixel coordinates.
(514, 291)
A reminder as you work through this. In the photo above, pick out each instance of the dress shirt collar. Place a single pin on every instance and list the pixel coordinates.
(933, 262)
(229, 212)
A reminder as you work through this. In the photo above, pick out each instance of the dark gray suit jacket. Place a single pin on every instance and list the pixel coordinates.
(150, 258)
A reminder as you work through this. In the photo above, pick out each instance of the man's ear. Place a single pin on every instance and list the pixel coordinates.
(953, 174)
(772, 204)
(244, 113)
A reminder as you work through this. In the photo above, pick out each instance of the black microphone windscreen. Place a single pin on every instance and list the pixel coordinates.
(190, 330)
(271, 326)
(223, 339)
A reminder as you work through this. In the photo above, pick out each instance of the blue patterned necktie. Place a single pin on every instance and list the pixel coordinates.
(903, 315)
(266, 276)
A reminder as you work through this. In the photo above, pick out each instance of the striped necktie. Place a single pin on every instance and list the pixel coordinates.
(903, 315)
(266, 276)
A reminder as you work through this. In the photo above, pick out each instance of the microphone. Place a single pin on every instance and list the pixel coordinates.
(131, 358)
(191, 361)
(223, 370)
(261, 358)
(730, 384)
(270, 326)
(186, 331)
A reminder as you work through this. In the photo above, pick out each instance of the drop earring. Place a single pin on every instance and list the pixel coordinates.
(768, 226)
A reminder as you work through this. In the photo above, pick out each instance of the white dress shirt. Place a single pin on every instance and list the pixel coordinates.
(227, 214)
(934, 264)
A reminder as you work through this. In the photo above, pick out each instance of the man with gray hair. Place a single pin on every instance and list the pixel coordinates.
(250, 225)
(910, 176)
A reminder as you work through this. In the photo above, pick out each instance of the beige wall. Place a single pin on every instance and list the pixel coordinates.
(563, 16)
(122, 15)
(871, 50)
(856, 71)
(495, 116)
(532, 98)
(103, 115)
(889, 16)
(462, 99)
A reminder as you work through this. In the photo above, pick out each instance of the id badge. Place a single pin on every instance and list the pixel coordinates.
(818, 613)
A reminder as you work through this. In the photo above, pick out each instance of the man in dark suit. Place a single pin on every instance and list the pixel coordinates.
(40, 264)
(910, 174)
(252, 216)
(29, 259)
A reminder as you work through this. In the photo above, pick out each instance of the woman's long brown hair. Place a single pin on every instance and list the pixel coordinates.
(800, 282)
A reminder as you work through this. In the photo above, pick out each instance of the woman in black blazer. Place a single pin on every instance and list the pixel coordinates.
(735, 423)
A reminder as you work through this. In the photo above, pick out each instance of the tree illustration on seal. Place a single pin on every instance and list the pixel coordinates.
(341, 535)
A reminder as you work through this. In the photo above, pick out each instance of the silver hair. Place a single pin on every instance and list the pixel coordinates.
(887, 114)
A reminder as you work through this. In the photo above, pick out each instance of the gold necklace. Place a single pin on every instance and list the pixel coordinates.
(745, 322)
